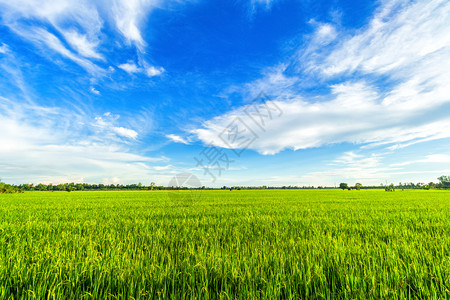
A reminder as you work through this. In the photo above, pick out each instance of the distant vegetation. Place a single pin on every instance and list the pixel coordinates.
(444, 183)
(343, 185)
(8, 188)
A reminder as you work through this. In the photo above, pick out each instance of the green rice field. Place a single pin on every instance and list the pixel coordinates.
(271, 244)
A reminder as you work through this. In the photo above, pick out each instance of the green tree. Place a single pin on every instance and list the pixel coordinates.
(343, 186)
(358, 186)
(444, 181)
(41, 187)
(8, 188)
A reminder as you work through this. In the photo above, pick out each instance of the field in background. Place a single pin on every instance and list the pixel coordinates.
(222, 244)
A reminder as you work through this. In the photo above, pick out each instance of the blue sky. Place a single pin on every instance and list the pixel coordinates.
(245, 92)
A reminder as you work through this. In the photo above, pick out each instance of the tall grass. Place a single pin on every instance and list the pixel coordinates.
(239, 244)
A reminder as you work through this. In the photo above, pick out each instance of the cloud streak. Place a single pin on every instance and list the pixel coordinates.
(4, 48)
(177, 139)
(60, 16)
(150, 71)
(128, 14)
(75, 29)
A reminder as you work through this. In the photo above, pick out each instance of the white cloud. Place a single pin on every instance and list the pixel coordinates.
(177, 139)
(150, 71)
(432, 158)
(81, 43)
(396, 38)
(128, 14)
(161, 168)
(391, 85)
(94, 91)
(9, 63)
(79, 24)
(61, 15)
(346, 118)
(265, 4)
(45, 39)
(106, 124)
(351, 159)
(324, 34)
(4, 48)
(437, 158)
(125, 132)
(130, 68)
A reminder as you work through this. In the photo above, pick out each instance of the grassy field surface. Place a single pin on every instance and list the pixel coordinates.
(222, 244)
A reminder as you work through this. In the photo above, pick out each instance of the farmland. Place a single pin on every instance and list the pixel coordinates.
(222, 244)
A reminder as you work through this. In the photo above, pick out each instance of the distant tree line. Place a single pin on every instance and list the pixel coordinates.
(444, 183)
(8, 188)
(69, 187)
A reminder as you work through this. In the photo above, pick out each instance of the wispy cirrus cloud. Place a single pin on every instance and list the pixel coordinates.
(432, 158)
(61, 16)
(84, 46)
(388, 83)
(264, 4)
(128, 14)
(400, 37)
(75, 29)
(46, 40)
(94, 91)
(106, 124)
(150, 71)
(4, 48)
(177, 139)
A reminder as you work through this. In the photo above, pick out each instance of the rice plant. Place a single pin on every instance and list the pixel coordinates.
(289, 244)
